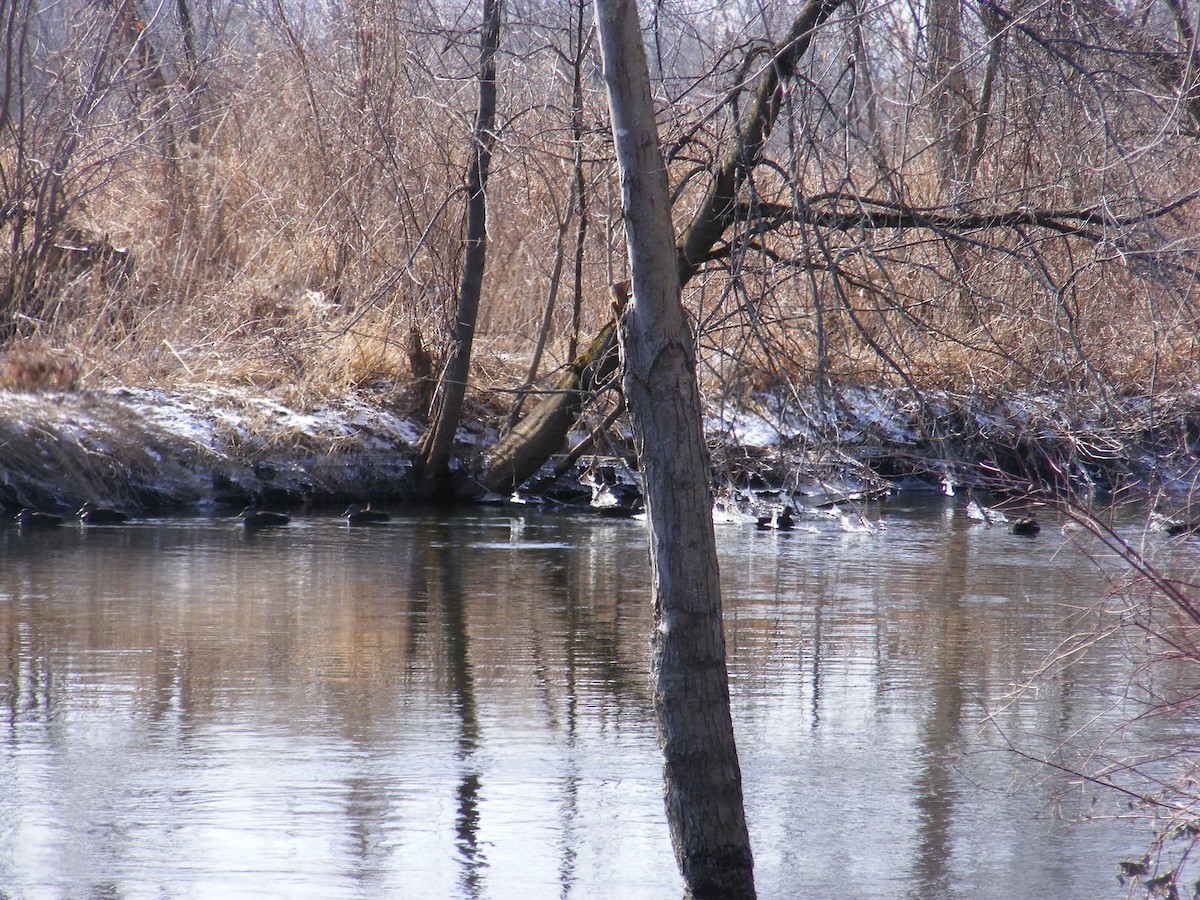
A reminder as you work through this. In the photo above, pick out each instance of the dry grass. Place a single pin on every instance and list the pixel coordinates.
(37, 370)
(319, 221)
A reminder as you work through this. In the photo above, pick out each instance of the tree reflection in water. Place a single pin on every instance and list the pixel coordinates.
(458, 708)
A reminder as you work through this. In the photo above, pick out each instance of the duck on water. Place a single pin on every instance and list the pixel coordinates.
(1026, 526)
(91, 514)
(1172, 526)
(778, 520)
(253, 519)
(30, 518)
(363, 515)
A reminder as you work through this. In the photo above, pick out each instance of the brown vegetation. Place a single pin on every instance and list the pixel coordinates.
(291, 191)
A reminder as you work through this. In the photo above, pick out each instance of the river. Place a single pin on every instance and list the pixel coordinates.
(458, 707)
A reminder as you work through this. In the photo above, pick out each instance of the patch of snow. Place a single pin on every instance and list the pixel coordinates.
(170, 414)
(985, 514)
(727, 511)
(747, 428)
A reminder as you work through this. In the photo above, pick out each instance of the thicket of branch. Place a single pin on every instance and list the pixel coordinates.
(975, 195)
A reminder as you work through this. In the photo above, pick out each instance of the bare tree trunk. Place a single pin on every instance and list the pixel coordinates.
(582, 42)
(147, 67)
(432, 466)
(539, 347)
(189, 76)
(12, 53)
(866, 97)
(948, 105)
(995, 42)
(702, 778)
(1188, 64)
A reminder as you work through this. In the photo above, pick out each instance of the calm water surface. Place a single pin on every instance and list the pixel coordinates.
(459, 708)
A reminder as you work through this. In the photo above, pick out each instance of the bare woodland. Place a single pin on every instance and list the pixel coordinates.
(972, 196)
(421, 200)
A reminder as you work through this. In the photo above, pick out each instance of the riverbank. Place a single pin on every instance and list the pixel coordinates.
(209, 448)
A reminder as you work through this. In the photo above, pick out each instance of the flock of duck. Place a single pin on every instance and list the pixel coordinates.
(251, 518)
(606, 501)
(784, 518)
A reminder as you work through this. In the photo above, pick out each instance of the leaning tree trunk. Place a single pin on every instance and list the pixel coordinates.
(540, 435)
(527, 447)
(432, 465)
(702, 778)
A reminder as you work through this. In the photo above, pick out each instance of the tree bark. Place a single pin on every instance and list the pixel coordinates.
(432, 465)
(702, 778)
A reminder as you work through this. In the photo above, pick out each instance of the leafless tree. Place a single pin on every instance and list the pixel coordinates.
(702, 777)
(436, 448)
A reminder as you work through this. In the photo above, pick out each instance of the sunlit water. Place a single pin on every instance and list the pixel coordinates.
(459, 707)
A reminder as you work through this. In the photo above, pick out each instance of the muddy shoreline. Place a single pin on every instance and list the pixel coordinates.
(212, 449)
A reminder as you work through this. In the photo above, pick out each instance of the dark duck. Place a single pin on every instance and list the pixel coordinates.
(364, 515)
(778, 520)
(29, 518)
(252, 518)
(91, 514)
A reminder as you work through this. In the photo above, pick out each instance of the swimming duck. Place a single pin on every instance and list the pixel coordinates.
(1171, 526)
(28, 518)
(364, 515)
(252, 518)
(91, 514)
(1027, 527)
(778, 520)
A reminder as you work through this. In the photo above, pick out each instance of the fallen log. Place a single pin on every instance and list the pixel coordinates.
(543, 432)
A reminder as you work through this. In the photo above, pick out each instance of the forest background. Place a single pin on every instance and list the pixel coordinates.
(967, 199)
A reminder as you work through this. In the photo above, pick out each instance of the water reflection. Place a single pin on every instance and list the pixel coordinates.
(460, 708)
(940, 728)
(441, 572)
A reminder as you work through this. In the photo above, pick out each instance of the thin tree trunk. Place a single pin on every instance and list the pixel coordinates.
(1188, 64)
(702, 778)
(582, 42)
(432, 467)
(983, 110)
(189, 77)
(947, 94)
(149, 68)
(547, 314)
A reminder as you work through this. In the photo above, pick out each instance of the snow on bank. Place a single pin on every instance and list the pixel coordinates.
(1088, 441)
(207, 446)
(856, 415)
(204, 447)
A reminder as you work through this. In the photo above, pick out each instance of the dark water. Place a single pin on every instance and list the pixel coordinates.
(460, 708)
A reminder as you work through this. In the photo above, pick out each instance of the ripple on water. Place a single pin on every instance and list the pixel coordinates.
(419, 711)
